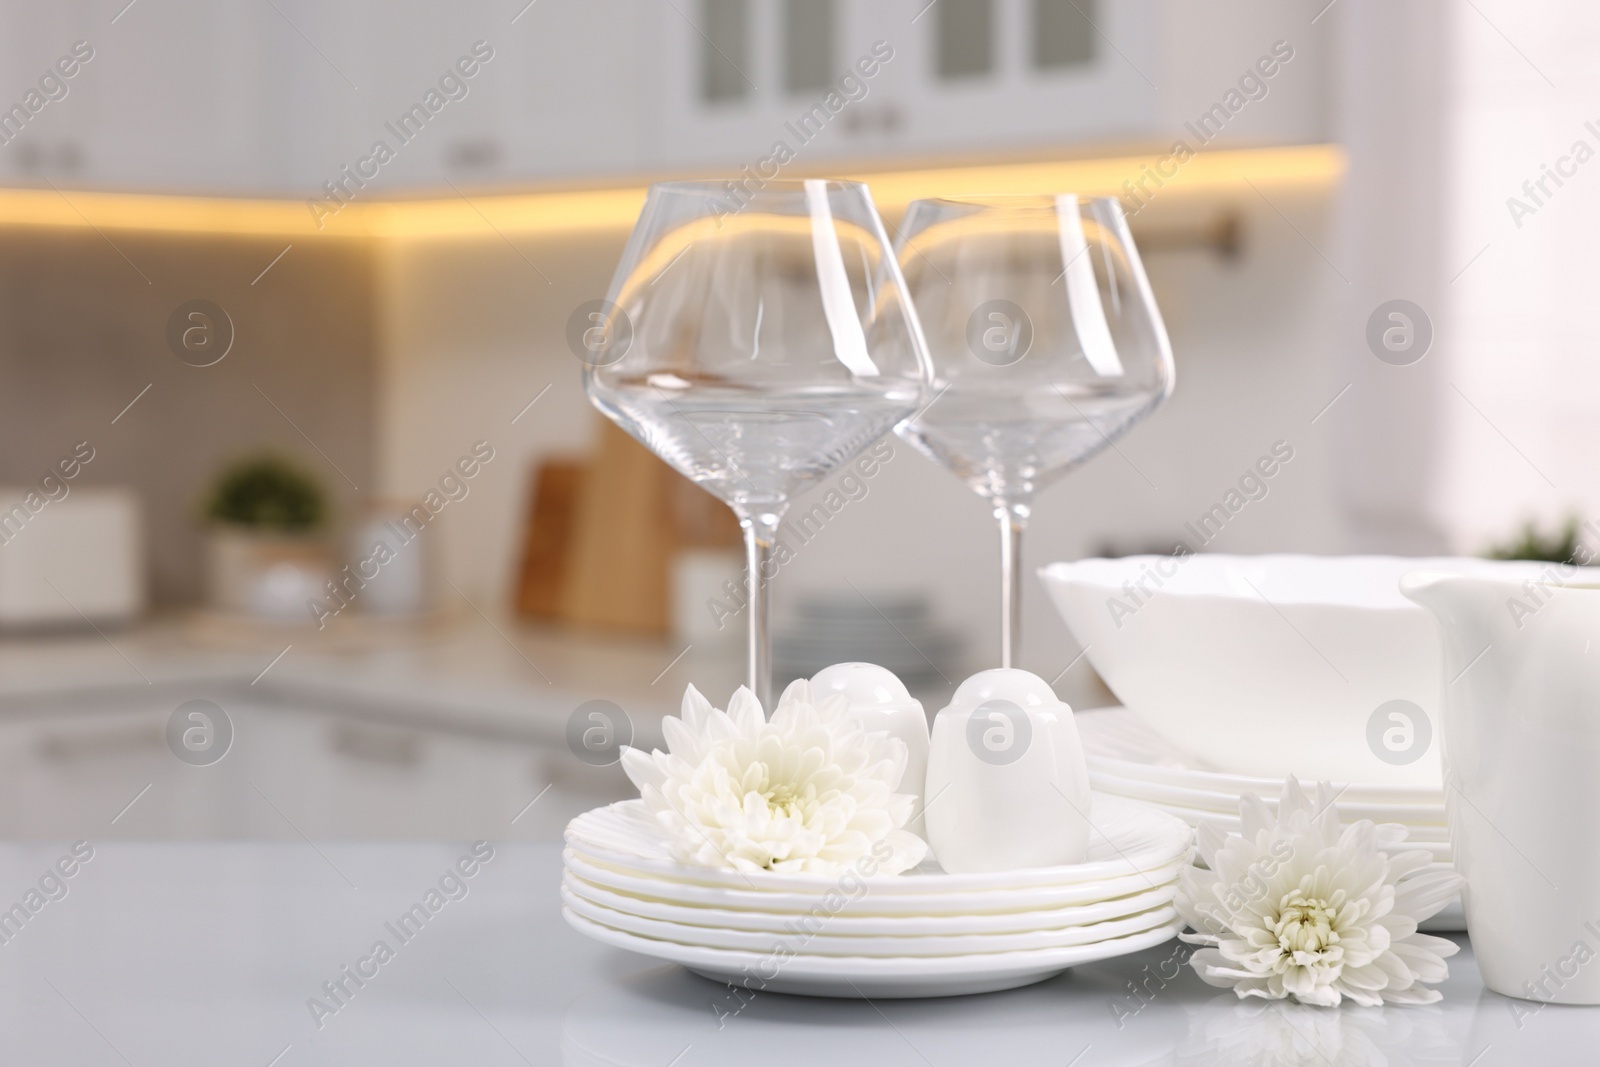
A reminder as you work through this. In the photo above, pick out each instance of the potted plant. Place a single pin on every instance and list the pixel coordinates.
(267, 553)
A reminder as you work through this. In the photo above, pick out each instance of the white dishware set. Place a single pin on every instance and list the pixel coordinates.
(759, 343)
(1039, 874)
(1459, 698)
(1235, 671)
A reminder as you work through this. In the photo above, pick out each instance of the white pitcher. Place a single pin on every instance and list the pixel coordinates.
(1521, 745)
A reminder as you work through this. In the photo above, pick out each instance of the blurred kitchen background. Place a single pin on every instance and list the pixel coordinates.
(242, 345)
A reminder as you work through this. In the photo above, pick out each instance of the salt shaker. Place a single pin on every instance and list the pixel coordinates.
(880, 702)
(1007, 783)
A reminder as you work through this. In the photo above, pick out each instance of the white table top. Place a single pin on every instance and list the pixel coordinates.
(207, 953)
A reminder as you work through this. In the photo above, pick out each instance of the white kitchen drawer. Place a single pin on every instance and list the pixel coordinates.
(69, 768)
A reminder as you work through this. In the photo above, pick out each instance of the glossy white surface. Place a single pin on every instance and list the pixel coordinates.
(205, 954)
(1007, 785)
(1263, 665)
(1521, 695)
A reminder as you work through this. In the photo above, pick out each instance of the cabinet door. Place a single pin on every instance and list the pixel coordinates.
(746, 83)
(1027, 74)
(330, 774)
(100, 767)
(171, 96)
(468, 94)
(574, 83)
(871, 80)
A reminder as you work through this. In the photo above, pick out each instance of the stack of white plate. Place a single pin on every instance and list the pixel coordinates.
(925, 933)
(893, 630)
(1128, 758)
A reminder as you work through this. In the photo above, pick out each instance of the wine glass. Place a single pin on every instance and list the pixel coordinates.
(756, 336)
(1047, 346)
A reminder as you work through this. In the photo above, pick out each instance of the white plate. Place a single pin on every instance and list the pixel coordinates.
(1128, 837)
(848, 924)
(1237, 785)
(1419, 836)
(1126, 756)
(857, 977)
(1116, 741)
(1167, 797)
(877, 898)
(803, 942)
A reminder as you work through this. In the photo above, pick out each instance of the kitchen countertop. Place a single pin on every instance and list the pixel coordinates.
(208, 953)
(464, 670)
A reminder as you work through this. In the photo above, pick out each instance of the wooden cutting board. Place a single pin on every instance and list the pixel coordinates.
(547, 531)
(602, 534)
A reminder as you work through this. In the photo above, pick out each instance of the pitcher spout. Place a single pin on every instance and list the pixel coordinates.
(1470, 610)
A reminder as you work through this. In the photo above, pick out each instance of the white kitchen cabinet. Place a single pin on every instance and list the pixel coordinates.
(285, 97)
(174, 96)
(98, 766)
(951, 76)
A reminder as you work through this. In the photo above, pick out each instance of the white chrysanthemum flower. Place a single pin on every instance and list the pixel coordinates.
(1297, 907)
(809, 791)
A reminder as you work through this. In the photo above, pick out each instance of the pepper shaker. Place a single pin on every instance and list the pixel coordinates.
(880, 702)
(1007, 783)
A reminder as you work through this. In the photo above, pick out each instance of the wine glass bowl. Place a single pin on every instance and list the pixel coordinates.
(1046, 342)
(757, 339)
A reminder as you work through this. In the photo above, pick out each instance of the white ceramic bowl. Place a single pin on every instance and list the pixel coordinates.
(1265, 665)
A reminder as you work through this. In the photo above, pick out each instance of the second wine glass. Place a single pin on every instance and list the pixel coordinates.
(756, 339)
(1047, 346)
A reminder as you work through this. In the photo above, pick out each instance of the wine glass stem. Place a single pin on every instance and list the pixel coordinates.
(760, 535)
(1013, 517)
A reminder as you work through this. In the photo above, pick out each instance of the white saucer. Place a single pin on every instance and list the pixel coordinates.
(858, 977)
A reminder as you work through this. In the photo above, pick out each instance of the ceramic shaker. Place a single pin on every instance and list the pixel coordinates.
(880, 701)
(1007, 783)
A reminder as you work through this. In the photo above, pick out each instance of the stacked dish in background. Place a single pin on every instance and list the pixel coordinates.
(896, 631)
(925, 933)
(1128, 758)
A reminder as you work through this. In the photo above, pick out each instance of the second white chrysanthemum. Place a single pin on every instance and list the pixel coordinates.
(1297, 907)
(807, 791)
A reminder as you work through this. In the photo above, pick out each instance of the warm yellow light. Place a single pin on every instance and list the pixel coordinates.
(160, 214)
(554, 212)
(515, 213)
(1204, 172)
